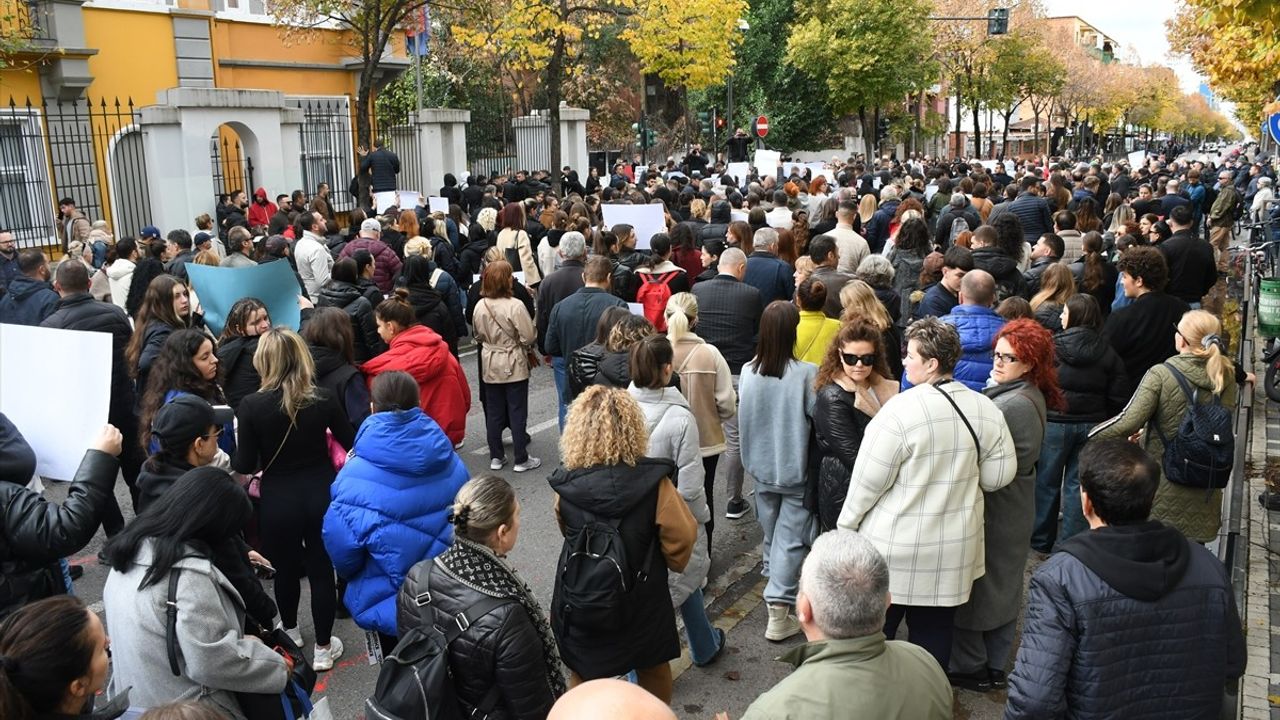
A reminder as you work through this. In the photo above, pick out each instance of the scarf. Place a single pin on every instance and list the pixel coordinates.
(482, 570)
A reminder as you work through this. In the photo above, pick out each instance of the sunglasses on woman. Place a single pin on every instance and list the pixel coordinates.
(851, 360)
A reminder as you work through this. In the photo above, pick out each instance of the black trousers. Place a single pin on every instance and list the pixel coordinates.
(131, 459)
(507, 406)
(709, 464)
(290, 515)
(931, 628)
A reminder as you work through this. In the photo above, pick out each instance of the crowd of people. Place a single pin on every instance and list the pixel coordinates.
(932, 373)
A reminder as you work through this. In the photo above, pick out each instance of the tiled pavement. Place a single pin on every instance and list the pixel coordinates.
(1260, 690)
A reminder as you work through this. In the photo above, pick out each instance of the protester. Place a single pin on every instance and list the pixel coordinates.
(852, 384)
(419, 351)
(166, 308)
(429, 304)
(1159, 405)
(1026, 384)
(54, 658)
(282, 435)
(343, 291)
(390, 503)
(36, 533)
(506, 333)
(30, 297)
(606, 477)
(931, 535)
(815, 331)
(246, 321)
(774, 419)
(1139, 332)
(847, 668)
(1127, 606)
(160, 564)
(328, 336)
(1057, 285)
(859, 302)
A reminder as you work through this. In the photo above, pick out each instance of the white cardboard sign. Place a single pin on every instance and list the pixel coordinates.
(647, 220)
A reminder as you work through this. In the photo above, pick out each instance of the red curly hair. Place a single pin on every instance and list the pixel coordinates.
(1033, 344)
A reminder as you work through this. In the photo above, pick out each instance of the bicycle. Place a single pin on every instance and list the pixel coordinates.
(1263, 267)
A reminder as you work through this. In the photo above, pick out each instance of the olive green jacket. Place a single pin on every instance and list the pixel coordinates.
(1159, 400)
(862, 677)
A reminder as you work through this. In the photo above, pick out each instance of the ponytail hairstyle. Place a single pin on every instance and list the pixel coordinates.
(396, 309)
(681, 314)
(1092, 276)
(481, 506)
(648, 355)
(44, 647)
(1201, 331)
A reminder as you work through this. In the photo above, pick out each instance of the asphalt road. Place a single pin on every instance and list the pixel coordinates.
(733, 593)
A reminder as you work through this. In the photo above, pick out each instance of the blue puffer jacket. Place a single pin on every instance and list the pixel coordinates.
(978, 327)
(390, 509)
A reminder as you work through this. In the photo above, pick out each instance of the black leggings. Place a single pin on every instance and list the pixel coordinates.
(291, 515)
(709, 485)
(929, 627)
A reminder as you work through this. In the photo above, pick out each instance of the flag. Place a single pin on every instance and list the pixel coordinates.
(417, 35)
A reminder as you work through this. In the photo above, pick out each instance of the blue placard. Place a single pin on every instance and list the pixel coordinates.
(1273, 124)
(273, 283)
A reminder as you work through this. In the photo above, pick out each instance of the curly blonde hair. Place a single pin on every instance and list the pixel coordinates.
(604, 427)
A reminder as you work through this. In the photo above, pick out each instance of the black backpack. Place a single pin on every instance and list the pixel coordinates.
(415, 682)
(581, 371)
(1202, 452)
(596, 577)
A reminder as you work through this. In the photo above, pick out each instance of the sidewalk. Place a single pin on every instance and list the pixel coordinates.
(1260, 688)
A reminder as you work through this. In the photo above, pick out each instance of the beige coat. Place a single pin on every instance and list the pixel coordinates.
(506, 334)
(707, 384)
(519, 240)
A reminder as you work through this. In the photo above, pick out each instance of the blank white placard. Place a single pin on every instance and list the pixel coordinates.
(647, 220)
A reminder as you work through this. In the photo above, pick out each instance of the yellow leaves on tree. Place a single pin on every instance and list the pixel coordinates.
(686, 43)
(1236, 44)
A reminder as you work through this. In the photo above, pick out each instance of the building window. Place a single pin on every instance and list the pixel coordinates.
(327, 155)
(26, 203)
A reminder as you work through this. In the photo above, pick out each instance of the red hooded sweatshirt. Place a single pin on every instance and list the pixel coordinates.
(442, 386)
(260, 214)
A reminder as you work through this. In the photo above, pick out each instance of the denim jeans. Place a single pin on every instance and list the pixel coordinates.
(788, 532)
(697, 629)
(1057, 473)
(557, 370)
(733, 453)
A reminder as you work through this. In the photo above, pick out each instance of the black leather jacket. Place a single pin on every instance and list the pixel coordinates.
(348, 297)
(500, 648)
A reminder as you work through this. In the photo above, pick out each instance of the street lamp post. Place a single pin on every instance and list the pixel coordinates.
(743, 26)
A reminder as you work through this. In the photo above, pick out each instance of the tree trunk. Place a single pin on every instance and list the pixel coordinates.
(555, 71)
(977, 128)
(1004, 137)
(867, 132)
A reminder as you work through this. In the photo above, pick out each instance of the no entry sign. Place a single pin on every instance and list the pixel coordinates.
(762, 126)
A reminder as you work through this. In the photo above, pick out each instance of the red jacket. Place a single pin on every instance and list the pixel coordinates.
(442, 386)
(260, 215)
(386, 264)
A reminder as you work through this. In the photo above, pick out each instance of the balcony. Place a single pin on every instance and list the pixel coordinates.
(25, 26)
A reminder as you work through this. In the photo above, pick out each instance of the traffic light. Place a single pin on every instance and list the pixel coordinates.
(641, 133)
(651, 137)
(998, 21)
(882, 130)
(706, 121)
(721, 122)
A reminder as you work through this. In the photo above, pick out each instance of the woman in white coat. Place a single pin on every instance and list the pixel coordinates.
(916, 492)
(122, 258)
(673, 435)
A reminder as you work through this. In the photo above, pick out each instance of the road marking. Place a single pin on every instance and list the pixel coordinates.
(727, 621)
(532, 430)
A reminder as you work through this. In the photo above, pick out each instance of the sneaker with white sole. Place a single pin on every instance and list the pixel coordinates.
(735, 509)
(326, 654)
(295, 635)
(496, 464)
(782, 624)
(532, 463)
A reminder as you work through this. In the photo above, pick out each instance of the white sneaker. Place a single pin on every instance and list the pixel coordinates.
(496, 464)
(532, 463)
(295, 635)
(782, 624)
(458, 445)
(325, 655)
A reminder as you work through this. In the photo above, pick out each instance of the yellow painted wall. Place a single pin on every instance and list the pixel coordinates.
(20, 83)
(255, 41)
(135, 54)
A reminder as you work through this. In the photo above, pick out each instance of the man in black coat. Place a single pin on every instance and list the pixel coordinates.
(1128, 606)
(1142, 332)
(77, 310)
(1047, 251)
(572, 322)
(1192, 269)
(382, 166)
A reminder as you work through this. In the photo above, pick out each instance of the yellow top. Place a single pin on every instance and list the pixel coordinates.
(814, 335)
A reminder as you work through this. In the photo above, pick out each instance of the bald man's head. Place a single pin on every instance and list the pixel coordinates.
(609, 700)
(978, 288)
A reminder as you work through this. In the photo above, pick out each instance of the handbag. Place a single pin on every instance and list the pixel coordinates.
(254, 484)
(337, 455)
(292, 703)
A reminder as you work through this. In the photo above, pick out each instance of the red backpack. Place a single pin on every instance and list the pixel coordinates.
(654, 292)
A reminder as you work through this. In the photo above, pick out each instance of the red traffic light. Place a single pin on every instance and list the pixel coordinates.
(721, 123)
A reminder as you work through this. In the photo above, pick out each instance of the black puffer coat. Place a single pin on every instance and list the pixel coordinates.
(1004, 269)
(343, 381)
(1118, 614)
(235, 363)
(347, 296)
(645, 634)
(501, 648)
(1091, 376)
(431, 310)
(838, 427)
(718, 228)
(35, 533)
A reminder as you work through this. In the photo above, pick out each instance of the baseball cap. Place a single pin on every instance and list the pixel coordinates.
(150, 231)
(186, 417)
(201, 237)
(371, 225)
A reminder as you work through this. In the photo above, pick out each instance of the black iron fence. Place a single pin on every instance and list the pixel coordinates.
(327, 142)
(232, 168)
(491, 139)
(402, 136)
(24, 21)
(90, 151)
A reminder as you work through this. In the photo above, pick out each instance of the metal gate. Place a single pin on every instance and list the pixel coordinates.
(232, 168)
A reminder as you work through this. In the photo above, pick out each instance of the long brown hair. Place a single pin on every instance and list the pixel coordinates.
(776, 347)
(157, 304)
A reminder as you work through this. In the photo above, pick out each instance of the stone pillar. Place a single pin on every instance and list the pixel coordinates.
(573, 139)
(533, 142)
(443, 145)
(193, 47)
(65, 74)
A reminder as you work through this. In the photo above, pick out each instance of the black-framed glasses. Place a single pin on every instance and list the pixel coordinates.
(851, 360)
(1178, 331)
(1004, 358)
(216, 432)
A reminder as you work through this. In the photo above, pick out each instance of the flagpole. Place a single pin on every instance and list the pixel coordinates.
(417, 69)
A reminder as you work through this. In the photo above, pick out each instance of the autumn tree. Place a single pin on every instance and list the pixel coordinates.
(688, 45)
(885, 52)
(1236, 45)
(1021, 73)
